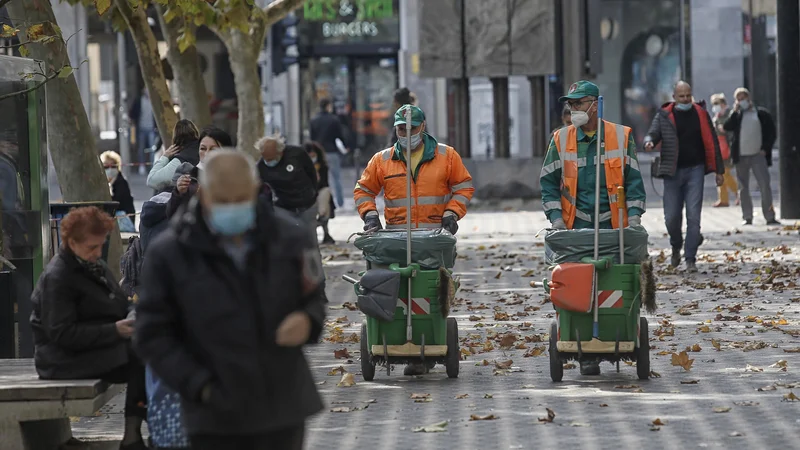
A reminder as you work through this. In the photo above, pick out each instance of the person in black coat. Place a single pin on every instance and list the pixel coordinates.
(120, 189)
(230, 296)
(325, 203)
(326, 128)
(80, 318)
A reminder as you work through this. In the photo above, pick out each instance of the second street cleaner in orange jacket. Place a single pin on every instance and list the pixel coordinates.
(442, 186)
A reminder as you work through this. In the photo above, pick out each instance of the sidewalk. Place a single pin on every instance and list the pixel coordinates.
(497, 250)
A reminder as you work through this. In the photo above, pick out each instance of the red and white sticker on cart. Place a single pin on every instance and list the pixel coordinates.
(609, 299)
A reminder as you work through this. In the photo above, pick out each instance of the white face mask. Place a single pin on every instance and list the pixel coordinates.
(716, 109)
(580, 118)
(744, 104)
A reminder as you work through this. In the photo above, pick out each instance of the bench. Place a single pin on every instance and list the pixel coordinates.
(34, 413)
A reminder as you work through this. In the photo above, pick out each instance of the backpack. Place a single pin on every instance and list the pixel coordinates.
(131, 266)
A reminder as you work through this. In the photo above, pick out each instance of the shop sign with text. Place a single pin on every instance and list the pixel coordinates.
(348, 21)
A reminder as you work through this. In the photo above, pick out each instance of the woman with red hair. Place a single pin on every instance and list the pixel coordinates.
(82, 321)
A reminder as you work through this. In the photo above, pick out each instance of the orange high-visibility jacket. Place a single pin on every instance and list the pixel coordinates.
(442, 183)
(615, 142)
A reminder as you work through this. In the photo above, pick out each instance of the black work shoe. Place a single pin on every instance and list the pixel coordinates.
(328, 240)
(590, 368)
(747, 222)
(415, 369)
(675, 261)
(691, 267)
(702, 239)
(773, 222)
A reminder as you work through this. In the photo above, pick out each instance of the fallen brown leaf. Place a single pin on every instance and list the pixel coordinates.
(790, 397)
(722, 409)
(337, 371)
(347, 380)
(690, 381)
(626, 386)
(477, 417)
(341, 354)
(715, 343)
(508, 340)
(658, 422)
(550, 416)
(792, 350)
(488, 396)
(420, 396)
(501, 316)
(535, 351)
(462, 396)
(342, 319)
(568, 366)
(503, 364)
(682, 359)
(604, 405)
(499, 274)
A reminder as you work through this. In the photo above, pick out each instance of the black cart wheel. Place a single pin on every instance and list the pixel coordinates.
(643, 352)
(367, 366)
(556, 365)
(453, 352)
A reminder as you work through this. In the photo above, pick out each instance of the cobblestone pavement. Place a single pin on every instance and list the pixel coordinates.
(744, 299)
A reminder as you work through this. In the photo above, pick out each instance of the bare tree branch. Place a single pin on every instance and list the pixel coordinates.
(278, 9)
(30, 89)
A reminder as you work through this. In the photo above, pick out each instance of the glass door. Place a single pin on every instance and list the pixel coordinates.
(374, 82)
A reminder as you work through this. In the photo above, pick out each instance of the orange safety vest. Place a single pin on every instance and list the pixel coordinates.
(443, 183)
(613, 159)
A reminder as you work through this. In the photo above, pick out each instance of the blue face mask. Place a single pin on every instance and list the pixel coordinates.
(683, 106)
(232, 219)
(272, 163)
(415, 141)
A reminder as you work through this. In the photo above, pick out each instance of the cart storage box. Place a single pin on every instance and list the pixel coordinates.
(562, 246)
(430, 249)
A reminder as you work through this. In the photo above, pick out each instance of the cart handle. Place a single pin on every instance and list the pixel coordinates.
(599, 264)
(406, 272)
(349, 279)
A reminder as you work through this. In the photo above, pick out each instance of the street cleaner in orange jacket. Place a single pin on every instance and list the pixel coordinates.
(568, 174)
(441, 190)
(442, 185)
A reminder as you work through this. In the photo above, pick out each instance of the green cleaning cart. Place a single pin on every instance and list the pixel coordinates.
(599, 284)
(405, 294)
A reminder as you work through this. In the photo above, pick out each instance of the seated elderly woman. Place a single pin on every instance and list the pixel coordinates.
(81, 319)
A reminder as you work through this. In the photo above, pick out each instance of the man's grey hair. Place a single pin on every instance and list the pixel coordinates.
(208, 176)
(279, 145)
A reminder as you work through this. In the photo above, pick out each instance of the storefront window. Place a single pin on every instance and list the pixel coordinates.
(641, 59)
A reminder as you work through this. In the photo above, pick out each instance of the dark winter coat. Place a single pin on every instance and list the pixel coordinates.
(293, 180)
(122, 194)
(74, 321)
(768, 133)
(201, 321)
(663, 131)
(326, 128)
(322, 182)
(154, 218)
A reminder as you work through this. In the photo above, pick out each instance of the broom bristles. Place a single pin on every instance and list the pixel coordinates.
(648, 284)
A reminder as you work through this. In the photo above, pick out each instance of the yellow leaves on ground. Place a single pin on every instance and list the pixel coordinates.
(694, 348)
(461, 396)
(347, 380)
(337, 371)
(535, 351)
(421, 398)
(715, 343)
(790, 397)
(501, 316)
(682, 359)
(477, 417)
(504, 364)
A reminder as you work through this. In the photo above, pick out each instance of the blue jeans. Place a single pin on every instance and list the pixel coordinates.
(145, 138)
(335, 172)
(686, 187)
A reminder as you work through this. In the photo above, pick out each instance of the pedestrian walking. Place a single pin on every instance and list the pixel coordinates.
(721, 112)
(753, 137)
(325, 204)
(120, 190)
(689, 151)
(230, 296)
(326, 128)
(81, 318)
(569, 173)
(146, 131)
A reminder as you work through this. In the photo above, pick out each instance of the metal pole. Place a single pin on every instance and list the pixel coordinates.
(750, 71)
(600, 137)
(682, 30)
(266, 84)
(409, 180)
(123, 126)
(788, 97)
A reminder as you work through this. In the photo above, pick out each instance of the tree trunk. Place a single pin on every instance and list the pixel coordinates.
(70, 139)
(243, 52)
(152, 72)
(192, 93)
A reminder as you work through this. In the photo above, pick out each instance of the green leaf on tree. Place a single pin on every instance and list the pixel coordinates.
(36, 32)
(102, 6)
(23, 51)
(8, 31)
(185, 40)
(65, 72)
(170, 14)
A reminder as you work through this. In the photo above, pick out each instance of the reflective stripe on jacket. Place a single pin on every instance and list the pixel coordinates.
(613, 159)
(441, 183)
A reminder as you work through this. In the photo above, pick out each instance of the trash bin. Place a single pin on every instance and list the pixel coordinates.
(59, 210)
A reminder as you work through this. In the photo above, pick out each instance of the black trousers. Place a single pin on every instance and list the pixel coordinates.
(131, 374)
(284, 439)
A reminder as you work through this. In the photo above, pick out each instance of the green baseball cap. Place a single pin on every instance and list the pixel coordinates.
(581, 89)
(417, 116)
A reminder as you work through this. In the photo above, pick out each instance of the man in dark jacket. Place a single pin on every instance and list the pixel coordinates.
(291, 175)
(689, 151)
(325, 129)
(231, 294)
(753, 137)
